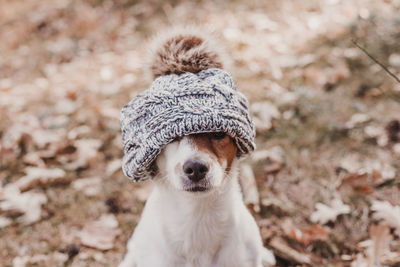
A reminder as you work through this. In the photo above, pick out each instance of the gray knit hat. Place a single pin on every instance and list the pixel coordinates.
(181, 104)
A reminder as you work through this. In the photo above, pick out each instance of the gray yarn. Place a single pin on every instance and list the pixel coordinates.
(178, 105)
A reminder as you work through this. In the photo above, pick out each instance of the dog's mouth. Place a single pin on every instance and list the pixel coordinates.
(197, 189)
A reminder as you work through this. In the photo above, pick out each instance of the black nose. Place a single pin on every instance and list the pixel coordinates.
(195, 170)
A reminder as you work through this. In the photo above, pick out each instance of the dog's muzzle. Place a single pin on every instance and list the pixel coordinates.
(195, 172)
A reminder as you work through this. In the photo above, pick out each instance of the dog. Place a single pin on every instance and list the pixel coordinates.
(195, 215)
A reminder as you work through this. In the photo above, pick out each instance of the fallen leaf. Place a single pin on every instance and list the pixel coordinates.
(78, 132)
(249, 187)
(283, 250)
(55, 259)
(350, 163)
(113, 166)
(377, 249)
(66, 106)
(280, 202)
(100, 234)
(273, 154)
(305, 235)
(40, 177)
(324, 213)
(264, 113)
(338, 73)
(34, 159)
(396, 149)
(95, 255)
(87, 150)
(360, 261)
(26, 205)
(4, 222)
(357, 119)
(381, 239)
(377, 132)
(355, 181)
(91, 186)
(385, 211)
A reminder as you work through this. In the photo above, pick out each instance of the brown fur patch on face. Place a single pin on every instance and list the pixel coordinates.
(221, 147)
(153, 170)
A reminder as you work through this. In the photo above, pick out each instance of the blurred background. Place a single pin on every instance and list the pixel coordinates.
(328, 130)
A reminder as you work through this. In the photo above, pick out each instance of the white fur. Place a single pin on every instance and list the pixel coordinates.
(195, 229)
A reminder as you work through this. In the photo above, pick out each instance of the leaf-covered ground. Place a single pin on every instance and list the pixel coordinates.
(328, 124)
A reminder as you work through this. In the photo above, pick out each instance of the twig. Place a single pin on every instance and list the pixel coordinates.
(284, 251)
(376, 61)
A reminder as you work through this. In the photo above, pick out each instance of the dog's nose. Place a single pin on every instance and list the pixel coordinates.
(195, 170)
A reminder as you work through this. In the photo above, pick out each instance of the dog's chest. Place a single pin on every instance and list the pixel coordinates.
(197, 237)
(196, 232)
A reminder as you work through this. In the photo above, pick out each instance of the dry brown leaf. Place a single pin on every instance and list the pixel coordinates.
(280, 202)
(377, 132)
(113, 166)
(305, 235)
(78, 132)
(91, 186)
(361, 170)
(324, 213)
(264, 113)
(338, 73)
(87, 150)
(27, 206)
(385, 211)
(360, 261)
(396, 149)
(377, 249)
(381, 239)
(40, 177)
(283, 250)
(4, 222)
(357, 119)
(249, 187)
(85, 256)
(273, 154)
(355, 181)
(100, 234)
(55, 259)
(34, 159)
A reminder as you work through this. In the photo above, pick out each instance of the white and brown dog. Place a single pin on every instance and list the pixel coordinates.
(195, 215)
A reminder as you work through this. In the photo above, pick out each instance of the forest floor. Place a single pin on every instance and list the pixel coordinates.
(328, 124)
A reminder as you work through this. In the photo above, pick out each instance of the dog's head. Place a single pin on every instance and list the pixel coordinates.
(198, 162)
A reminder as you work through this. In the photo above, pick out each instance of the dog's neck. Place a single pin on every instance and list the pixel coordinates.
(193, 223)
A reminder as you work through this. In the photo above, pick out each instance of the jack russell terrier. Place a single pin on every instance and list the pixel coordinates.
(187, 133)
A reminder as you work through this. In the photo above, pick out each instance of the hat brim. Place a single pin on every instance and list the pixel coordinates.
(162, 130)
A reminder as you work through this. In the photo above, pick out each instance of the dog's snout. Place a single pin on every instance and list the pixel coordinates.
(195, 170)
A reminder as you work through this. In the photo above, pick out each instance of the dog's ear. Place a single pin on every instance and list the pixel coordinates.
(153, 169)
(183, 50)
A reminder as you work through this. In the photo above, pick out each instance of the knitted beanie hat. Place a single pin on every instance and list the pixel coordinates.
(191, 94)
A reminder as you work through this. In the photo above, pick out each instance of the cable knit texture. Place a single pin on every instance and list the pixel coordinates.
(178, 105)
